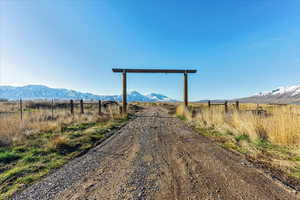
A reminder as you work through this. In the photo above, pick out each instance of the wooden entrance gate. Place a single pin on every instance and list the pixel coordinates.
(124, 78)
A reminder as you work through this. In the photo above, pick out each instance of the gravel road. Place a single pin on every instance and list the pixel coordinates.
(157, 156)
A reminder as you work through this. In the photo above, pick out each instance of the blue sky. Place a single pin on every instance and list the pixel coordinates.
(238, 47)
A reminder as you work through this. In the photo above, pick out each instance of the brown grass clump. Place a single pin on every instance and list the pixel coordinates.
(60, 144)
(182, 111)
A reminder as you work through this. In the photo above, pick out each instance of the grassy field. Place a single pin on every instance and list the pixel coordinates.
(31, 148)
(272, 137)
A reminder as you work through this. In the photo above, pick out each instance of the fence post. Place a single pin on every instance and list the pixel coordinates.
(72, 106)
(21, 109)
(52, 109)
(237, 105)
(209, 104)
(226, 106)
(99, 107)
(81, 107)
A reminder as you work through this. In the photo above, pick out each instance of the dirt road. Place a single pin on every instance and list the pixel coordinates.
(158, 157)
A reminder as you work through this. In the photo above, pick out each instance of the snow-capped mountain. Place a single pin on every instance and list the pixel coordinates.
(159, 97)
(31, 92)
(288, 94)
(289, 90)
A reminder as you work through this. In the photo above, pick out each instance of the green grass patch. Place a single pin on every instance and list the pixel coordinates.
(211, 132)
(264, 144)
(183, 118)
(30, 158)
(13, 173)
(296, 173)
(8, 156)
(295, 158)
(242, 137)
(47, 135)
(26, 163)
(233, 146)
(57, 162)
(96, 136)
(78, 127)
(74, 135)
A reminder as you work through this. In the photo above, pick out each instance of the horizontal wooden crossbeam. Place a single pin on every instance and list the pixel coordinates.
(154, 70)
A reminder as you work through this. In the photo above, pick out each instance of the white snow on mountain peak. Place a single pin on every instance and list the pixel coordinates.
(284, 90)
(158, 97)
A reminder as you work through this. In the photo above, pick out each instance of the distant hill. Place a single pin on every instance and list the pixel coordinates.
(34, 92)
(288, 95)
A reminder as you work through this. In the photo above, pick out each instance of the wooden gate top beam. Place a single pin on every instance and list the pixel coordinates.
(154, 70)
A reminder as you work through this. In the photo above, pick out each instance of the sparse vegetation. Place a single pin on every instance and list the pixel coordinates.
(272, 137)
(280, 126)
(14, 130)
(31, 148)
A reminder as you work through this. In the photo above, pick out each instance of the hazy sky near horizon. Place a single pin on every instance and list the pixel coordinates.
(238, 47)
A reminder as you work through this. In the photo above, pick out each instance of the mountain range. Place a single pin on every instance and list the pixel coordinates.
(284, 95)
(34, 92)
(288, 94)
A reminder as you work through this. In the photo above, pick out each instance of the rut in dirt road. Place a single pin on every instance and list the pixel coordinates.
(158, 157)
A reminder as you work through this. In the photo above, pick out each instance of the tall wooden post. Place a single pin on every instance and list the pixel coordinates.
(72, 106)
(237, 105)
(99, 107)
(226, 106)
(185, 89)
(124, 100)
(209, 104)
(81, 107)
(21, 109)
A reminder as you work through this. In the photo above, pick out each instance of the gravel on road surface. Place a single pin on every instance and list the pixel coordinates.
(157, 156)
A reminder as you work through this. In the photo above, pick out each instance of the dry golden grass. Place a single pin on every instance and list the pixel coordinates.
(8, 107)
(280, 126)
(14, 130)
(181, 111)
(58, 142)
